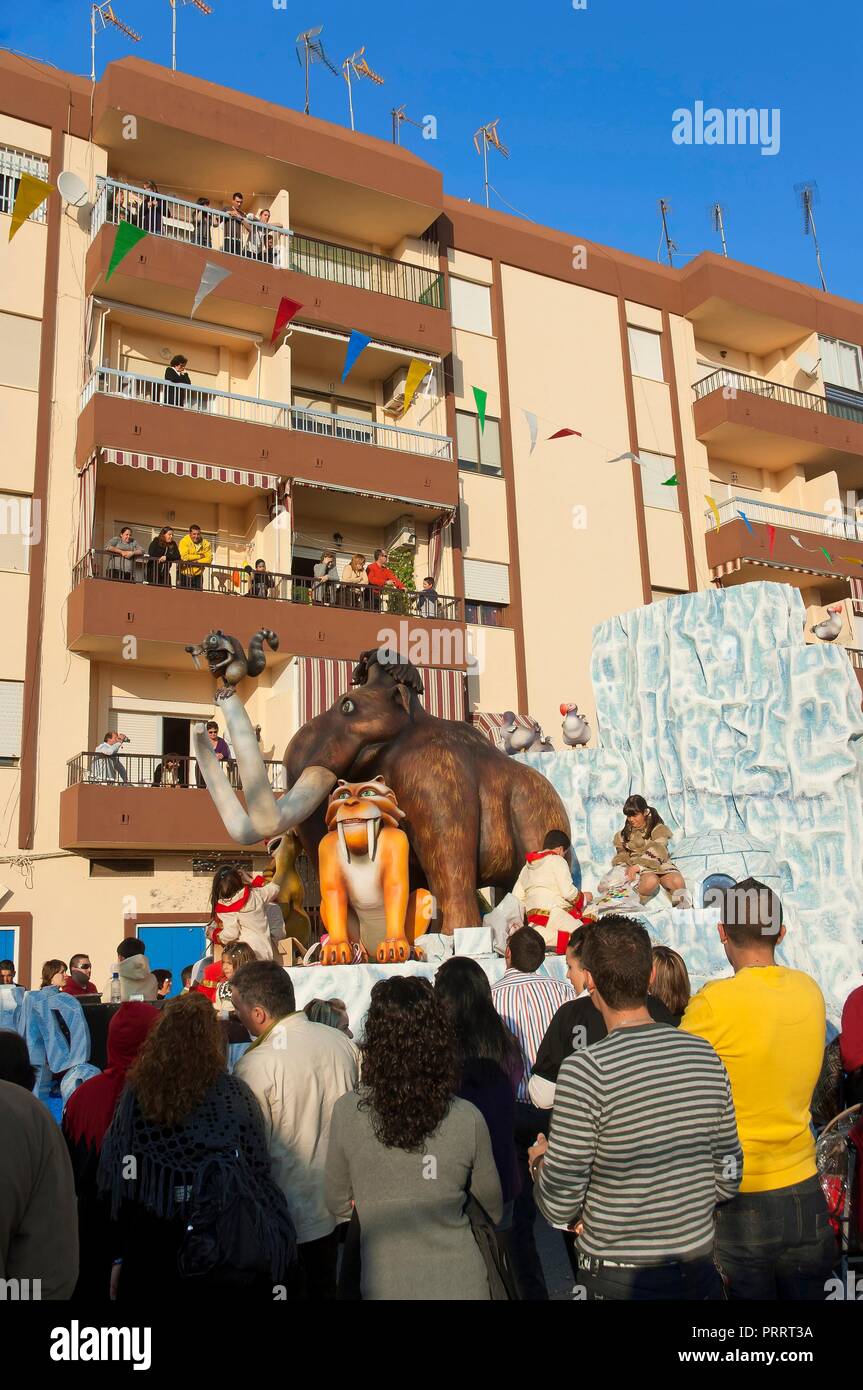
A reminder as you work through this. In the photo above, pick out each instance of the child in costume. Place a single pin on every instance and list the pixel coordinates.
(552, 904)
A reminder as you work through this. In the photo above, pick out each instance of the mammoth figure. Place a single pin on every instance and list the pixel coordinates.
(471, 813)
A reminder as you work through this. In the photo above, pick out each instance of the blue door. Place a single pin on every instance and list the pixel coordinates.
(174, 947)
(8, 944)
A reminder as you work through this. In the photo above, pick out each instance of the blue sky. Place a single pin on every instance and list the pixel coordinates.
(585, 98)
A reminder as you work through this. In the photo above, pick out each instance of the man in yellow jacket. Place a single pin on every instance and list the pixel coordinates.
(767, 1023)
(195, 552)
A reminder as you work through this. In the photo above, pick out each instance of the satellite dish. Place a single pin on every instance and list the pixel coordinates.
(807, 363)
(72, 188)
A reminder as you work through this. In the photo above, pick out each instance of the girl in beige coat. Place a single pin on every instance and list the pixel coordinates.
(642, 847)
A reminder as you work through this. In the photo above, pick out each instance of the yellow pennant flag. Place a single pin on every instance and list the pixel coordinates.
(715, 510)
(31, 192)
(416, 373)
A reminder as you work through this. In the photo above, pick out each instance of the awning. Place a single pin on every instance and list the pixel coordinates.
(321, 680)
(378, 496)
(732, 567)
(857, 596)
(490, 725)
(180, 468)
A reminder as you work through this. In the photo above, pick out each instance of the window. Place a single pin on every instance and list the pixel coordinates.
(18, 532)
(478, 450)
(11, 717)
(205, 868)
(14, 163)
(841, 363)
(656, 595)
(20, 341)
(656, 469)
(339, 406)
(486, 582)
(121, 868)
(645, 353)
(485, 614)
(471, 306)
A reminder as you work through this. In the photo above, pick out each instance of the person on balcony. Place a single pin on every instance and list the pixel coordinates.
(236, 223)
(203, 222)
(106, 766)
(195, 553)
(150, 212)
(354, 574)
(261, 582)
(179, 377)
(325, 573)
(124, 551)
(261, 239)
(379, 576)
(169, 772)
(163, 552)
(428, 599)
(221, 750)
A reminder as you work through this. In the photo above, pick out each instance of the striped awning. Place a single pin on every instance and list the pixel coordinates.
(490, 725)
(321, 680)
(732, 567)
(180, 468)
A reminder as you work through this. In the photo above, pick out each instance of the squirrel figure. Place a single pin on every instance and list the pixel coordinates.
(226, 658)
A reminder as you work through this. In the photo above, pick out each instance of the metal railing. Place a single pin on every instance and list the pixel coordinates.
(226, 405)
(789, 518)
(245, 582)
(159, 770)
(739, 382)
(215, 228)
(855, 655)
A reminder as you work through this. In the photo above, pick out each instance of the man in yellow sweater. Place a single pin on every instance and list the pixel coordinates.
(195, 552)
(767, 1023)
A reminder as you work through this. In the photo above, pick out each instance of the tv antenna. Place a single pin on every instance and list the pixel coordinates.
(399, 115)
(489, 136)
(100, 17)
(199, 5)
(357, 65)
(808, 194)
(670, 246)
(313, 52)
(717, 214)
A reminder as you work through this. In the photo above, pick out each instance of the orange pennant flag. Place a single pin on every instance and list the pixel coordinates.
(30, 194)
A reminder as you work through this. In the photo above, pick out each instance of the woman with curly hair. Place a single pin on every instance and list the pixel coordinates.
(406, 1151)
(186, 1167)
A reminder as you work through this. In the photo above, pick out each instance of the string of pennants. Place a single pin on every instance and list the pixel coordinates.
(771, 536)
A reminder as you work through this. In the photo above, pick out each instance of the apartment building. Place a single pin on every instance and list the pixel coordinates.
(509, 478)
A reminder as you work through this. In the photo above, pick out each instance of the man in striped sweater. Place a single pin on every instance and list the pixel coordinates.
(643, 1143)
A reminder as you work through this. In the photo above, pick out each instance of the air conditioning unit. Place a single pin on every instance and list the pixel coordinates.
(394, 392)
(402, 533)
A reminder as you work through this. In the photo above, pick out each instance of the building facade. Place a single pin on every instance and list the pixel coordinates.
(509, 479)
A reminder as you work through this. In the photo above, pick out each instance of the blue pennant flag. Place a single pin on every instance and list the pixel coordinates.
(357, 343)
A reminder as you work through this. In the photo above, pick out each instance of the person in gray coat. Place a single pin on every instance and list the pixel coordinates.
(406, 1151)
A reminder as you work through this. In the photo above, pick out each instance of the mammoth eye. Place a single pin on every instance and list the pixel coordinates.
(348, 706)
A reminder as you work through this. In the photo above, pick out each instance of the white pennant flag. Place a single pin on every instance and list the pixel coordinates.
(621, 457)
(532, 426)
(212, 277)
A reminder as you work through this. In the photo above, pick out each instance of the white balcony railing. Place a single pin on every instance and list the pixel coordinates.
(790, 518)
(107, 381)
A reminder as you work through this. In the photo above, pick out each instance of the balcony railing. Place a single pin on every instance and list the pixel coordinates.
(790, 518)
(155, 770)
(225, 405)
(237, 581)
(855, 655)
(252, 239)
(736, 383)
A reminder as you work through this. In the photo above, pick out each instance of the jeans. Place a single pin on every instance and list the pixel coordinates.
(776, 1245)
(688, 1281)
(529, 1122)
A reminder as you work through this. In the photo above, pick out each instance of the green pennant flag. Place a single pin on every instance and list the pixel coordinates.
(127, 237)
(671, 482)
(481, 398)
(828, 557)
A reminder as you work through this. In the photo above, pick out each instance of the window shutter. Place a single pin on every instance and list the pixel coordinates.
(656, 469)
(143, 730)
(645, 352)
(485, 582)
(11, 714)
(470, 305)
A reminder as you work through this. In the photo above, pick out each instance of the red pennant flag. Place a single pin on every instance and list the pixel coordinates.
(562, 434)
(771, 532)
(287, 309)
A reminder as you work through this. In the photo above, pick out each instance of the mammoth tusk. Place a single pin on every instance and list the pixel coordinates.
(234, 818)
(313, 786)
(267, 815)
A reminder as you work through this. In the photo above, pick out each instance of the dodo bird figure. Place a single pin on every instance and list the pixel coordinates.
(471, 814)
(830, 627)
(575, 728)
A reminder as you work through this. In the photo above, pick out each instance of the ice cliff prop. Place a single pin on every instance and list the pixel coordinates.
(748, 741)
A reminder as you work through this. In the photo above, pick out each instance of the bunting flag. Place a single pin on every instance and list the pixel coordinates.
(671, 482)
(745, 519)
(851, 560)
(126, 239)
(715, 510)
(417, 372)
(797, 541)
(211, 277)
(532, 426)
(564, 434)
(620, 458)
(771, 534)
(357, 343)
(288, 309)
(827, 556)
(481, 398)
(29, 195)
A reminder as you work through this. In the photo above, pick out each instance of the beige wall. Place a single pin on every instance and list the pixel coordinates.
(665, 546)
(18, 410)
(653, 420)
(493, 688)
(484, 531)
(475, 364)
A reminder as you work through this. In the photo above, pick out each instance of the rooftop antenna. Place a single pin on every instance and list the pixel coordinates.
(357, 65)
(670, 246)
(808, 194)
(399, 115)
(717, 213)
(313, 52)
(199, 5)
(100, 17)
(489, 136)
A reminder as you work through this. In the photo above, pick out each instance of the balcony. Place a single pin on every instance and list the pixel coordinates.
(104, 611)
(147, 415)
(738, 555)
(104, 809)
(763, 424)
(338, 286)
